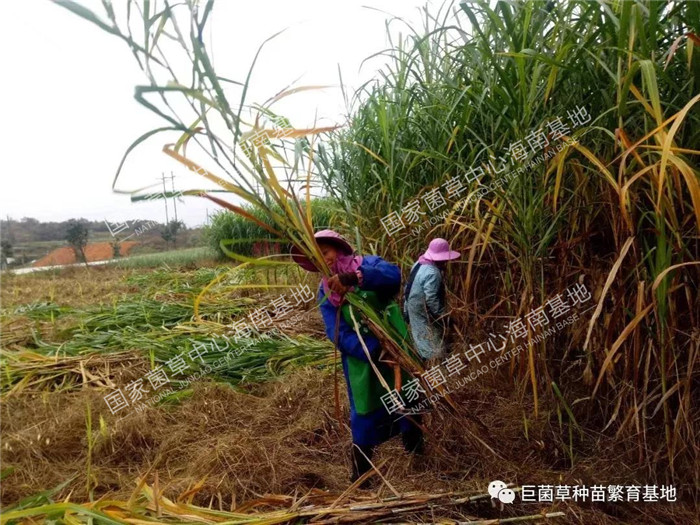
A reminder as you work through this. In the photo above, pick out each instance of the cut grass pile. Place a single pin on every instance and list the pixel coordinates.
(42, 341)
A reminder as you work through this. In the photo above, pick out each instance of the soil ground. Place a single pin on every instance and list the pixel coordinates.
(98, 251)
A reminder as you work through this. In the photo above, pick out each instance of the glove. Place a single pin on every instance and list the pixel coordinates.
(348, 279)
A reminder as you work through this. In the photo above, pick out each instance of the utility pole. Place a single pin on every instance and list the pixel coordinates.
(165, 199)
(9, 230)
(172, 185)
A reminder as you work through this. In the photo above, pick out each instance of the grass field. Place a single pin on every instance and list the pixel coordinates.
(179, 257)
(264, 423)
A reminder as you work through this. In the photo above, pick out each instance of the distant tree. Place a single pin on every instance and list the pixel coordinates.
(6, 248)
(169, 233)
(5, 252)
(116, 249)
(77, 235)
(6, 230)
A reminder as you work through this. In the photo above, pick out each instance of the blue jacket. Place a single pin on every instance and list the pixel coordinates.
(384, 278)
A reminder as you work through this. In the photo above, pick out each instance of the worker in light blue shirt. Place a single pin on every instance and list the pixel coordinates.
(424, 299)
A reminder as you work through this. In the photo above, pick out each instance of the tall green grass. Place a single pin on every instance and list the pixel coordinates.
(478, 76)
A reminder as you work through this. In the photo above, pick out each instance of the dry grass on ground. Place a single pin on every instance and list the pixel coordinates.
(76, 287)
(283, 438)
(227, 447)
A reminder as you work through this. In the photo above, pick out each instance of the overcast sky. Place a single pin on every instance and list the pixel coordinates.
(69, 112)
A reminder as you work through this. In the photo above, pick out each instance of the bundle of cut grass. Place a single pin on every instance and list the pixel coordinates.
(31, 372)
(59, 368)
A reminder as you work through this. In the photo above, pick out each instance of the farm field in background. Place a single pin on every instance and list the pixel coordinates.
(143, 237)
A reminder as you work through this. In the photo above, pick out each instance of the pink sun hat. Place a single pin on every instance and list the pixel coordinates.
(439, 250)
(329, 236)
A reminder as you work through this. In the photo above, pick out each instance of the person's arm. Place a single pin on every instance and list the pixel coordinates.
(431, 288)
(380, 276)
(348, 341)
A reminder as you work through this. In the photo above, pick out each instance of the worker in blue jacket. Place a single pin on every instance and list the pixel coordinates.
(371, 423)
(424, 300)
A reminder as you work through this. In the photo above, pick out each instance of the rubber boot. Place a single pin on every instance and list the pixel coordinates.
(361, 464)
(412, 438)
